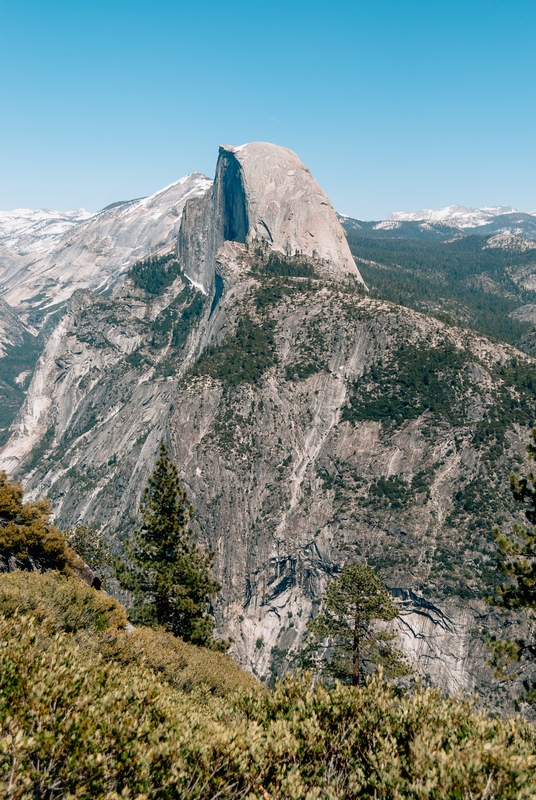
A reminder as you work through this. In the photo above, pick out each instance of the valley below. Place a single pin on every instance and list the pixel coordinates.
(326, 399)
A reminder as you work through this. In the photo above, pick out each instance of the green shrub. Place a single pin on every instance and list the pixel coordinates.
(135, 359)
(301, 370)
(59, 603)
(372, 742)
(68, 605)
(93, 547)
(77, 727)
(175, 322)
(178, 663)
(27, 537)
(392, 492)
(73, 726)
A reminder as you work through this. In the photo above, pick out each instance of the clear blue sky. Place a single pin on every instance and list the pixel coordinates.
(392, 104)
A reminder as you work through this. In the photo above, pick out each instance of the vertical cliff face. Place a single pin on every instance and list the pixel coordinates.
(288, 210)
(231, 201)
(263, 196)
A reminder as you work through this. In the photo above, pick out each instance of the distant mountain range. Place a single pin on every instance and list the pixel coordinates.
(457, 216)
(449, 222)
(46, 255)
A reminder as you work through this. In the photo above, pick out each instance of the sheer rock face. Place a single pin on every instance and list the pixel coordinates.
(12, 329)
(283, 485)
(263, 195)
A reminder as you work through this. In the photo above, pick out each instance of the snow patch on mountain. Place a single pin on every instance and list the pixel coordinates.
(456, 216)
(26, 230)
(94, 253)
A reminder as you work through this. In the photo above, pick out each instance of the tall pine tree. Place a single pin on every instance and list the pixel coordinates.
(346, 629)
(168, 575)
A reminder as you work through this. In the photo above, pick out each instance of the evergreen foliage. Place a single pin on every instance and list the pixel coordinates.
(93, 548)
(347, 628)
(175, 322)
(517, 561)
(169, 575)
(154, 274)
(513, 403)
(276, 264)
(461, 280)
(244, 357)
(272, 291)
(392, 492)
(417, 379)
(16, 359)
(28, 539)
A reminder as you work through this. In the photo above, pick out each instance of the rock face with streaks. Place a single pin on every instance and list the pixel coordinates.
(312, 425)
(12, 330)
(46, 256)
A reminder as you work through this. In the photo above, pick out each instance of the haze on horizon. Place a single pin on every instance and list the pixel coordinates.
(393, 106)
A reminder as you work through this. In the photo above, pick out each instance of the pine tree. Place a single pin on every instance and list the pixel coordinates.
(516, 559)
(347, 628)
(169, 575)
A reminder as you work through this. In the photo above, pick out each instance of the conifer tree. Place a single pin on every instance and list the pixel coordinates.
(169, 575)
(516, 559)
(347, 627)
(94, 549)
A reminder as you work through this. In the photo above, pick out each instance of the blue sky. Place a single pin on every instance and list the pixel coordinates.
(392, 104)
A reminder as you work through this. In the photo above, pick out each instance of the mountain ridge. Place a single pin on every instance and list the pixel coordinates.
(455, 215)
(514, 223)
(94, 253)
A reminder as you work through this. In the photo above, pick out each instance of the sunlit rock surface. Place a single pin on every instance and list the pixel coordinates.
(263, 196)
(95, 253)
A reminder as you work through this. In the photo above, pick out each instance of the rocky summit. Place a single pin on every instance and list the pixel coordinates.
(262, 197)
(313, 424)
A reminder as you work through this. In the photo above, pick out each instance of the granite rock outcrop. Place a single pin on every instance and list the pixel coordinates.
(96, 252)
(263, 196)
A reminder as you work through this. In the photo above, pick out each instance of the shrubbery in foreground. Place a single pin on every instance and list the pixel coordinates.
(28, 539)
(75, 724)
(98, 626)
